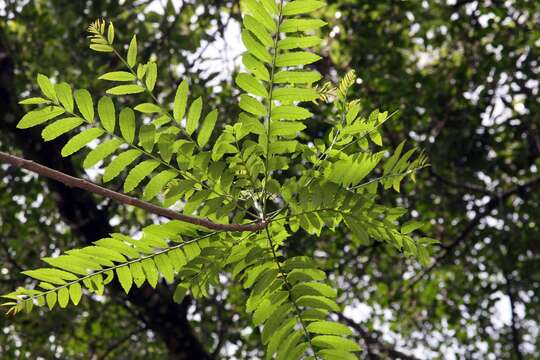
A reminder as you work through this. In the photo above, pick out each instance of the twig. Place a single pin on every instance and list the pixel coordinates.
(125, 199)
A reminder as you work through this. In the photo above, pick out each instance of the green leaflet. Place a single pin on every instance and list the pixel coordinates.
(318, 302)
(297, 77)
(194, 114)
(302, 275)
(283, 147)
(80, 140)
(290, 112)
(157, 183)
(37, 117)
(411, 226)
(141, 71)
(118, 246)
(255, 47)
(75, 293)
(151, 272)
(147, 135)
(313, 288)
(296, 58)
(251, 105)
(299, 350)
(296, 25)
(125, 90)
(279, 336)
(60, 127)
(349, 171)
(65, 96)
(251, 125)
(268, 306)
(53, 276)
(110, 33)
(119, 163)
(151, 76)
(180, 293)
(165, 146)
(138, 173)
(207, 128)
(103, 253)
(251, 85)
(127, 124)
(178, 259)
(285, 348)
(63, 297)
(299, 7)
(260, 14)
(51, 299)
(352, 112)
(256, 67)
(180, 101)
(101, 48)
(164, 266)
(46, 87)
(291, 94)
(299, 42)
(85, 104)
(336, 354)
(63, 262)
(137, 274)
(270, 6)
(101, 151)
(279, 318)
(258, 30)
(118, 76)
(124, 277)
(286, 128)
(107, 114)
(328, 328)
(34, 101)
(148, 108)
(132, 52)
(335, 342)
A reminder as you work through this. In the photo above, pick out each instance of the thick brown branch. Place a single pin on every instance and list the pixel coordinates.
(122, 198)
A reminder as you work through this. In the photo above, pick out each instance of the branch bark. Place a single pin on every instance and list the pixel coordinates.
(122, 198)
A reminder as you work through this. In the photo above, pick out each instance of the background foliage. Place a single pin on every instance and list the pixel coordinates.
(463, 75)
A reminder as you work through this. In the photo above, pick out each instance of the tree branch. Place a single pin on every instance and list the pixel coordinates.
(122, 198)
(374, 343)
(489, 207)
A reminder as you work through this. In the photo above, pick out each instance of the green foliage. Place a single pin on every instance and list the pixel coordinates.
(186, 158)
